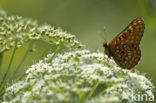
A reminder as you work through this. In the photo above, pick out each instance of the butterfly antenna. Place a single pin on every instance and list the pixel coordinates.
(105, 39)
(103, 34)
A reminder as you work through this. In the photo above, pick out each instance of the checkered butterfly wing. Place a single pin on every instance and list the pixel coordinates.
(125, 46)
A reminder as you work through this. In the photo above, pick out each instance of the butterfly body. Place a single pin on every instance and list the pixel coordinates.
(124, 48)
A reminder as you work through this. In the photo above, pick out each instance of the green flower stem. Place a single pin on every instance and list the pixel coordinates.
(1, 94)
(91, 92)
(44, 52)
(81, 98)
(11, 60)
(1, 58)
(108, 84)
(101, 93)
(56, 51)
(23, 59)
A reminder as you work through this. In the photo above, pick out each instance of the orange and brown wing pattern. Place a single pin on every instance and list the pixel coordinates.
(125, 46)
(132, 33)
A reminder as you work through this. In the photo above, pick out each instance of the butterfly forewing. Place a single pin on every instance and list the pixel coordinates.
(125, 46)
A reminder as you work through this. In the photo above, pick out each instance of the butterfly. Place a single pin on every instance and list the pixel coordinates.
(124, 48)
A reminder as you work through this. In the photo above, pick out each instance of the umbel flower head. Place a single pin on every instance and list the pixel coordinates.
(77, 77)
(15, 30)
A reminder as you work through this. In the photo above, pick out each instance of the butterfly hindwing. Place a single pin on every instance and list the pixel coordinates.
(127, 55)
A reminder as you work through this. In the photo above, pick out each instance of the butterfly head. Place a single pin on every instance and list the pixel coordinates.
(107, 49)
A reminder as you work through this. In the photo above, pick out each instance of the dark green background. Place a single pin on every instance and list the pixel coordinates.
(85, 18)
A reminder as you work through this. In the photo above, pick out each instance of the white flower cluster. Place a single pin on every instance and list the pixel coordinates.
(16, 30)
(76, 77)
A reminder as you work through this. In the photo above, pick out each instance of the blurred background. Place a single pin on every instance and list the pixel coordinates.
(86, 18)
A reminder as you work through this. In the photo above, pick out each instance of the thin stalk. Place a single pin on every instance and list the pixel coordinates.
(56, 51)
(104, 91)
(44, 52)
(1, 58)
(101, 93)
(11, 60)
(1, 94)
(81, 96)
(91, 92)
(23, 59)
(2, 91)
